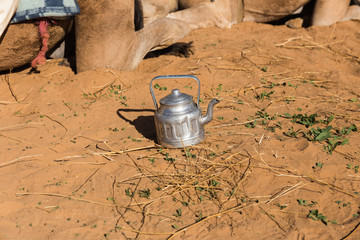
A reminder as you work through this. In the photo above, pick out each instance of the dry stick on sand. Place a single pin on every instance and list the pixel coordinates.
(185, 184)
(81, 200)
(69, 197)
(206, 170)
(16, 140)
(117, 77)
(285, 192)
(314, 44)
(238, 207)
(20, 159)
(7, 102)
(273, 219)
(7, 80)
(56, 121)
(8, 128)
(115, 152)
(332, 186)
(235, 124)
(145, 233)
(312, 179)
(353, 230)
(77, 189)
(243, 176)
(103, 87)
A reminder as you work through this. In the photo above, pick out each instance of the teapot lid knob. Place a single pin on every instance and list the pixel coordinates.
(176, 97)
(176, 92)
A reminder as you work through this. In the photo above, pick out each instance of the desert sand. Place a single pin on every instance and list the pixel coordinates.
(280, 160)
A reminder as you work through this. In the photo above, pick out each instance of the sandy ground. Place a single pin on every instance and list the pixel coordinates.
(78, 159)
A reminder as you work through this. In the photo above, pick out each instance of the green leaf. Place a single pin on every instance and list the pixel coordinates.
(287, 115)
(330, 119)
(345, 141)
(325, 134)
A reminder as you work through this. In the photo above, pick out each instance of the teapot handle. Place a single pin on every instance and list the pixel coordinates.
(175, 77)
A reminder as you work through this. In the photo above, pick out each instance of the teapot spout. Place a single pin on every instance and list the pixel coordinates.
(209, 115)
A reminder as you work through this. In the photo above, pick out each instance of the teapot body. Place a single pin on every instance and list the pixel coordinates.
(179, 126)
(179, 121)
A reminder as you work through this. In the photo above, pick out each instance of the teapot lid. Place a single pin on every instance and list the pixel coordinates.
(176, 97)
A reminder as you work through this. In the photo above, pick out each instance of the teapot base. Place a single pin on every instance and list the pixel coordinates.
(180, 143)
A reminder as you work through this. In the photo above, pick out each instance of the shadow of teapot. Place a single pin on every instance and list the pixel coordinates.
(143, 124)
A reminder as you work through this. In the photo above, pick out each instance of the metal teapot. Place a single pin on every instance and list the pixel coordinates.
(179, 121)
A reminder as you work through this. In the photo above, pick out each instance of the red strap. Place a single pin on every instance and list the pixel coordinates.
(44, 36)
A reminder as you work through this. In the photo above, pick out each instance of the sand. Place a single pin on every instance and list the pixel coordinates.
(79, 158)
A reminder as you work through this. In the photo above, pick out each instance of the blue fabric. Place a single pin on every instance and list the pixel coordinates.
(32, 9)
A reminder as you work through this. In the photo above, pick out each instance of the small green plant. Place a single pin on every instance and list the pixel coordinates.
(175, 226)
(294, 86)
(169, 159)
(318, 165)
(134, 139)
(264, 69)
(305, 120)
(302, 202)
(157, 86)
(185, 204)
(305, 203)
(319, 134)
(326, 135)
(198, 188)
(342, 204)
(263, 95)
(262, 118)
(355, 168)
(189, 154)
(328, 120)
(178, 213)
(123, 100)
(152, 160)
(317, 216)
(212, 154)
(213, 183)
(114, 129)
(199, 217)
(333, 143)
(353, 100)
(267, 84)
(265, 115)
(291, 133)
(346, 131)
(251, 124)
(116, 89)
(129, 192)
(274, 127)
(281, 206)
(145, 193)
